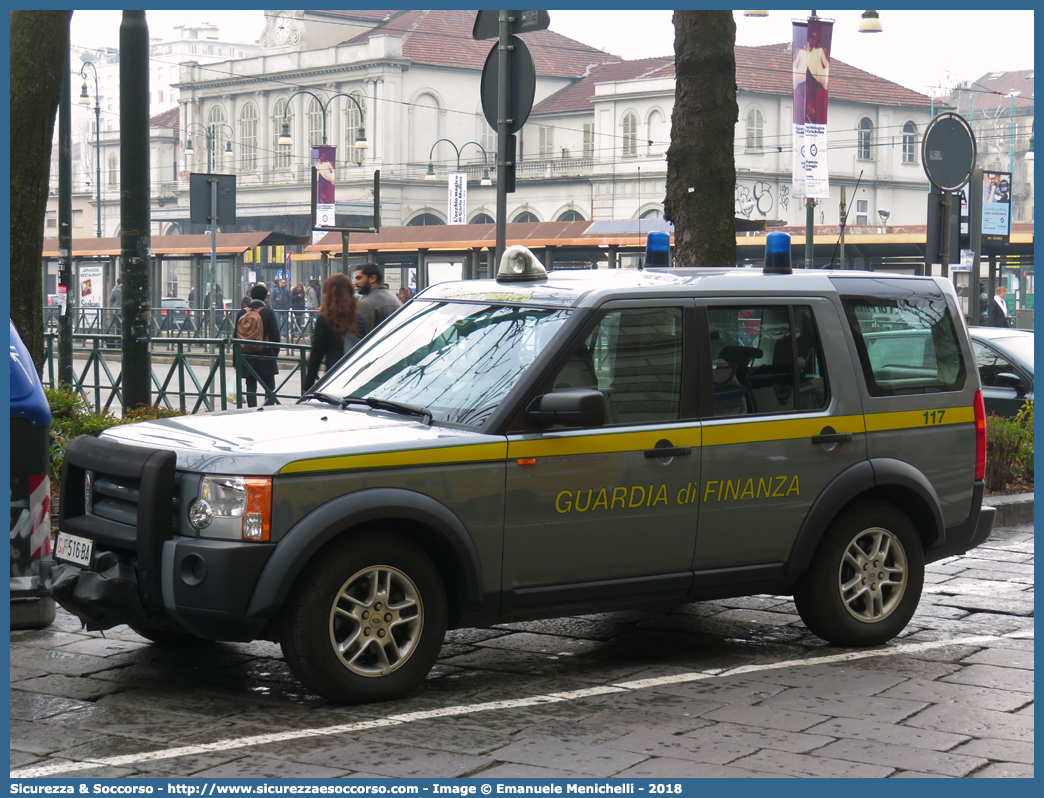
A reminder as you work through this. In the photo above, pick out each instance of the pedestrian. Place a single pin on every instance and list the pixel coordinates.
(116, 309)
(297, 302)
(378, 302)
(405, 294)
(336, 326)
(192, 297)
(998, 316)
(312, 294)
(263, 363)
(281, 302)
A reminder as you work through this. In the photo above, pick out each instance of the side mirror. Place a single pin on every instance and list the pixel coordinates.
(575, 407)
(1008, 380)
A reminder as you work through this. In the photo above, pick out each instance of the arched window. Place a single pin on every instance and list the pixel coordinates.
(248, 137)
(755, 130)
(424, 219)
(630, 136)
(486, 136)
(652, 213)
(909, 143)
(315, 124)
(114, 172)
(424, 129)
(865, 140)
(570, 216)
(353, 120)
(657, 135)
(283, 155)
(482, 218)
(526, 216)
(216, 119)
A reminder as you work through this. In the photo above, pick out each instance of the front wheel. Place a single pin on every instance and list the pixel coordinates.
(865, 579)
(365, 620)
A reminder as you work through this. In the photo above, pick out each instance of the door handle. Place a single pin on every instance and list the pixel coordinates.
(829, 436)
(667, 451)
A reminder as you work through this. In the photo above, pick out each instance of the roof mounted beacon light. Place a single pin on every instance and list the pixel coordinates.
(777, 253)
(658, 249)
(518, 264)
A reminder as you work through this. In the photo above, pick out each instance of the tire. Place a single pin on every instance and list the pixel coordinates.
(850, 597)
(365, 620)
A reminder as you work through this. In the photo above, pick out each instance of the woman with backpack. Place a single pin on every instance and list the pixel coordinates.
(257, 322)
(336, 326)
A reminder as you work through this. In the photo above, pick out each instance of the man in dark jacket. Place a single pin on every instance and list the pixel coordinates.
(378, 302)
(281, 302)
(998, 316)
(264, 363)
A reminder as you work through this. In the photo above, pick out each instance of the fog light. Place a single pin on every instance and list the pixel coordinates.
(199, 514)
(253, 528)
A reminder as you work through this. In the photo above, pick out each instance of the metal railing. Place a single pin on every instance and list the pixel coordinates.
(295, 326)
(189, 382)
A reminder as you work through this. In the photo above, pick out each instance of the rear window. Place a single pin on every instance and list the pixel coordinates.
(906, 339)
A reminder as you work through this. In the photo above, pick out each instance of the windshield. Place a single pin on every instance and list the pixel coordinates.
(1021, 346)
(457, 360)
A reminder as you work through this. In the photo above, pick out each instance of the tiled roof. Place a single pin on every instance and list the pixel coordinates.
(766, 70)
(577, 96)
(357, 15)
(171, 118)
(443, 38)
(992, 93)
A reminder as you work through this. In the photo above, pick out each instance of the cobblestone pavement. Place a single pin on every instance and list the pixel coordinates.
(723, 688)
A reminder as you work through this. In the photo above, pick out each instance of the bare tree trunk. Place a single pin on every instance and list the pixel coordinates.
(701, 170)
(39, 42)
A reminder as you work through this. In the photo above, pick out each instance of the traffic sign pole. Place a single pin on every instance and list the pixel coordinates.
(503, 131)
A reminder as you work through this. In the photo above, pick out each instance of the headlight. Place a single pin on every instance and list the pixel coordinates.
(233, 498)
(226, 496)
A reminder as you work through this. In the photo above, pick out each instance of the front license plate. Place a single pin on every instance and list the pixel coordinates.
(71, 548)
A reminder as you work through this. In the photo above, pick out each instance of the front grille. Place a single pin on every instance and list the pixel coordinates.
(116, 498)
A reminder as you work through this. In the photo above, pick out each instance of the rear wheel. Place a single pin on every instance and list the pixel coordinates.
(865, 579)
(366, 619)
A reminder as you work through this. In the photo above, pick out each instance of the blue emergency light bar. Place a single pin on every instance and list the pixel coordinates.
(777, 253)
(658, 249)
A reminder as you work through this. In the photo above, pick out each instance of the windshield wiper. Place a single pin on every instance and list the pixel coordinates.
(336, 401)
(387, 404)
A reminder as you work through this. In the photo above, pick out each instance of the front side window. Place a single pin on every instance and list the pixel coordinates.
(634, 356)
(458, 360)
(992, 363)
(765, 359)
(906, 340)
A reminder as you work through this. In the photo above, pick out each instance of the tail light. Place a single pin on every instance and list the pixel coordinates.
(980, 437)
(163, 313)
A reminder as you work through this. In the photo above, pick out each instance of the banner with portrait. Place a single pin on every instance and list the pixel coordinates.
(458, 198)
(324, 159)
(996, 207)
(91, 294)
(811, 78)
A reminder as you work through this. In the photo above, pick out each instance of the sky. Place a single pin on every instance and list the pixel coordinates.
(942, 47)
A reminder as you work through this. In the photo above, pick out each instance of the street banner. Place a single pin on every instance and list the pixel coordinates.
(458, 197)
(324, 159)
(91, 291)
(996, 207)
(811, 75)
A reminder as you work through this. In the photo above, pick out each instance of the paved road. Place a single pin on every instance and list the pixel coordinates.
(724, 688)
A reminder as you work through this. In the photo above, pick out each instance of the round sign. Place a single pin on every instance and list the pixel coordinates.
(948, 151)
(521, 88)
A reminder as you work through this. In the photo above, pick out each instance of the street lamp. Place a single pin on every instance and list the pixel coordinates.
(285, 139)
(871, 23)
(430, 176)
(85, 100)
(210, 135)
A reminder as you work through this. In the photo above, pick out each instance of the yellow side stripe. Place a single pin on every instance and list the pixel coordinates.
(709, 434)
(784, 429)
(442, 455)
(882, 422)
(600, 444)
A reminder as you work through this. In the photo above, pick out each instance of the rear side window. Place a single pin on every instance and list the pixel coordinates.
(906, 340)
(765, 359)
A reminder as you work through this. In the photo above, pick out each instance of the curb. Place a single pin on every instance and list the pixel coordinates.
(1011, 510)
